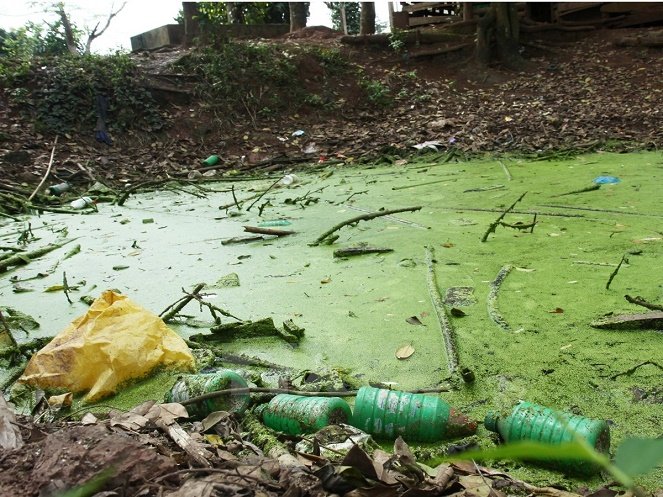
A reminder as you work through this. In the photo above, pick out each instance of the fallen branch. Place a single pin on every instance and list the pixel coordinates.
(363, 217)
(48, 171)
(514, 211)
(26, 258)
(243, 239)
(426, 183)
(494, 224)
(632, 370)
(353, 251)
(484, 189)
(263, 194)
(642, 302)
(491, 303)
(167, 315)
(519, 226)
(614, 273)
(440, 311)
(268, 231)
(593, 209)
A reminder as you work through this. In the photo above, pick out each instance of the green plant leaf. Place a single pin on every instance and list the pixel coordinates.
(536, 451)
(639, 455)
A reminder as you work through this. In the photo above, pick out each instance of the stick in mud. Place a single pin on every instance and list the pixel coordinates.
(494, 224)
(614, 273)
(491, 303)
(582, 190)
(268, 231)
(440, 311)
(506, 171)
(363, 217)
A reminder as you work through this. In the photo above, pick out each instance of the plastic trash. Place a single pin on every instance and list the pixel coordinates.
(193, 385)
(113, 342)
(534, 422)
(607, 180)
(212, 160)
(298, 133)
(433, 144)
(81, 203)
(415, 417)
(59, 189)
(288, 180)
(296, 414)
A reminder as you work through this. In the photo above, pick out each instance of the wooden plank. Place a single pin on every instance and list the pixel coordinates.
(623, 7)
(417, 7)
(422, 21)
(564, 8)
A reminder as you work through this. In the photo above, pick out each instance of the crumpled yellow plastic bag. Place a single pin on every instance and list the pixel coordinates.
(115, 341)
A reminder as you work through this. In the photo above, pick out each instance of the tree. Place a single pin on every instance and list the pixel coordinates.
(351, 11)
(190, 14)
(498, 34)
(367, 18)
(93, 34)
(298, 15)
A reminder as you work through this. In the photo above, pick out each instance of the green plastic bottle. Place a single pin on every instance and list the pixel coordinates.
(415, 417)
(534, 422)
(193, 385)
(296, 414)
(212, 160)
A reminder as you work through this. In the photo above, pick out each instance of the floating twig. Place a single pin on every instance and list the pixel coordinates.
(608, 211)
(582, 190)
(361, 250)
(263, 194)
(506, 171)
(614, 273)
(268, 231)
(171, 311)
(533, 224)
(363, 217)
(484, 188)
(245, 239)
(426, 183)
(513, 211)
(25, 258)
(494, 224)
(519, 226)
(65, 287)
(491, 303)
(232, 190)
(632, 370)
(642, 302)
(440, 311)
(48, 171)
(395, 219)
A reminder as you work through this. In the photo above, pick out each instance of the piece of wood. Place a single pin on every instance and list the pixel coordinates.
(194, 449)
(363, 217)
(48, 170)
(614, 273)
(423, 21)
(268, 231)
(582, 190)
(494, 224)
(245, 239)
(647, 320)
(642, 302)
(167, 315)
(440, 51)
(25, 258)
(354, 251)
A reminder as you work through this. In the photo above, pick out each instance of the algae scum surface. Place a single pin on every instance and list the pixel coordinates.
(354, 310)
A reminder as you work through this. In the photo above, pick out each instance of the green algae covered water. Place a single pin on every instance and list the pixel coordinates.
(358, 312)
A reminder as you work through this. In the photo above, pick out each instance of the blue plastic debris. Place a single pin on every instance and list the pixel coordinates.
(606, 180)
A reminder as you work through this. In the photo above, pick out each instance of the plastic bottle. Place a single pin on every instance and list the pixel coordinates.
(534, 422)
(296, 414)
(59, 189)
(81, 203)
(212, 160)
(193, 385)
(289, 179)
(415, 417)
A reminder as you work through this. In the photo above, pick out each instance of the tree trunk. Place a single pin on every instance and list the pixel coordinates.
(344, 22)
(297, 15)
(235, 14)
(191, 25)
(507, 32)
(367, 18)
(390, 8)
(498, 33)
(468, 11)
(68, 31)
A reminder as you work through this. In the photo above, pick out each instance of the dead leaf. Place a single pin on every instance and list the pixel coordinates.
(414, 320)
(10, 434)
(166, 413)
(405, 351)
(214, 418)
(63, 400)
(448, 245)
(557, 310)
(326, 280)
(89, 419)
(457, 313)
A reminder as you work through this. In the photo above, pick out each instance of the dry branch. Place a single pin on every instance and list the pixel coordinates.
(363, 217)
(494, 224)
(642, 302)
